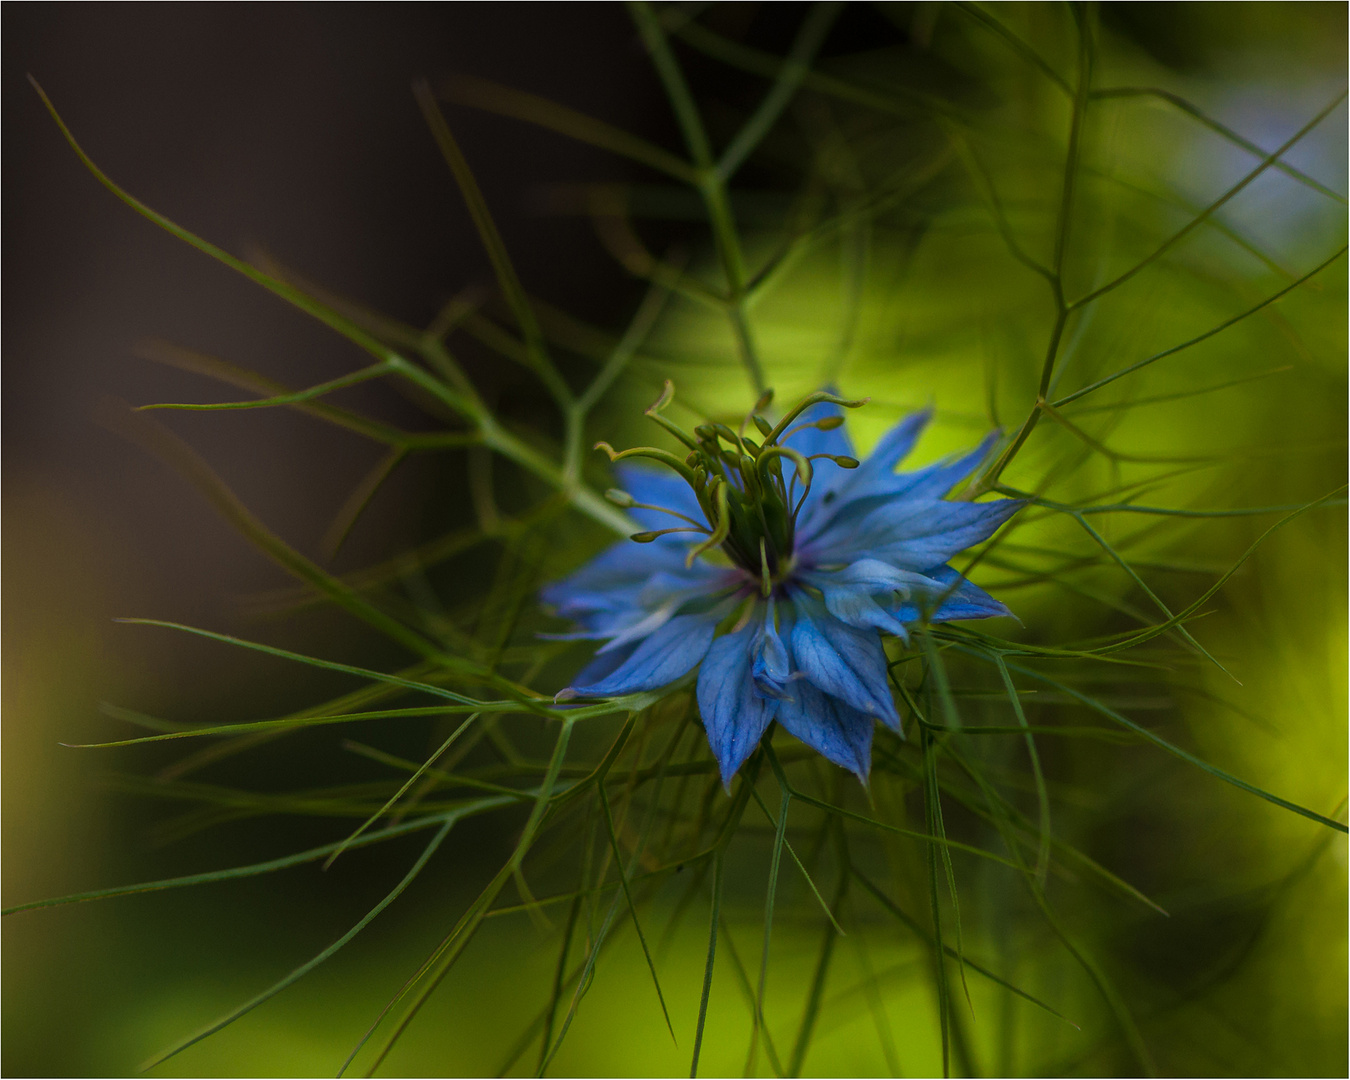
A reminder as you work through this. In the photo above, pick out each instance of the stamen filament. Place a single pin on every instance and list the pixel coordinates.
(722, 525)
(806, 402)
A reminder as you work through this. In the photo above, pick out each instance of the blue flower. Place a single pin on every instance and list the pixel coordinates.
(794, 575)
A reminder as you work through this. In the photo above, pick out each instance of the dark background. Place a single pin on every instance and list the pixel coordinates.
(293, 129)
(290, 128)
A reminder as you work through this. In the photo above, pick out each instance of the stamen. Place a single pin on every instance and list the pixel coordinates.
(648, 537)
(721, 527)
(663, 456)
(653, 412)
(842, 460)
(730, 437)
(674, 513)
(802, 463)
(826, 423)
(806, 402)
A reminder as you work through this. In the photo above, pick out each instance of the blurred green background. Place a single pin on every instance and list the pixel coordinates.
(291, 129)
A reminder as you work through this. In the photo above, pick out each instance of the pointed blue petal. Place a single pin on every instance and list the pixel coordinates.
(620, 566)
(909, 534)
(846, 663)
(772, 667)
(853, 604)
(734, 715)
(936, 480)
(894, 446)
(865, 593)
(875, 478)
(672, 651)
(626, 581)
(966, 601)
(836, 488)
(828, 475)
(831, 727)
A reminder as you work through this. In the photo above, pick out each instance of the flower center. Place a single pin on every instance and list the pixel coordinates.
(749, 487)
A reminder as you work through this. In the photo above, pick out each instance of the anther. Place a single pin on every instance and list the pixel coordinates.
(648, 537)
(726, 434)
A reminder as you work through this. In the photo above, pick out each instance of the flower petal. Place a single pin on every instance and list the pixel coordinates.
(828, 475)
(833, 490)
(934, 481)
(734, 715)
(772, 667)
(853, 604)
(893, 448)
(627, 582)
(910, 534)
(962, 599)
(846, 663)
(670, 652)
(831, 727)
(850, 592)
(608, 581)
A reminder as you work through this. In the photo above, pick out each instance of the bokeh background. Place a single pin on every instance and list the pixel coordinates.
(291, 131)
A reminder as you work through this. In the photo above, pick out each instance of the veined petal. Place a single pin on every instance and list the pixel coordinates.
(672, 651)
(828, 475)
(936, 480)
(644, 627)
(627, 581)
(831, 727)
(874, 575)
(840, 487)
(853, 604)
(607, 580)
(893, 448)
(660, 598)
(908, 533)
(961, 599)
(931, 482)
(734, 715)
(844, 662)
(772, 667)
